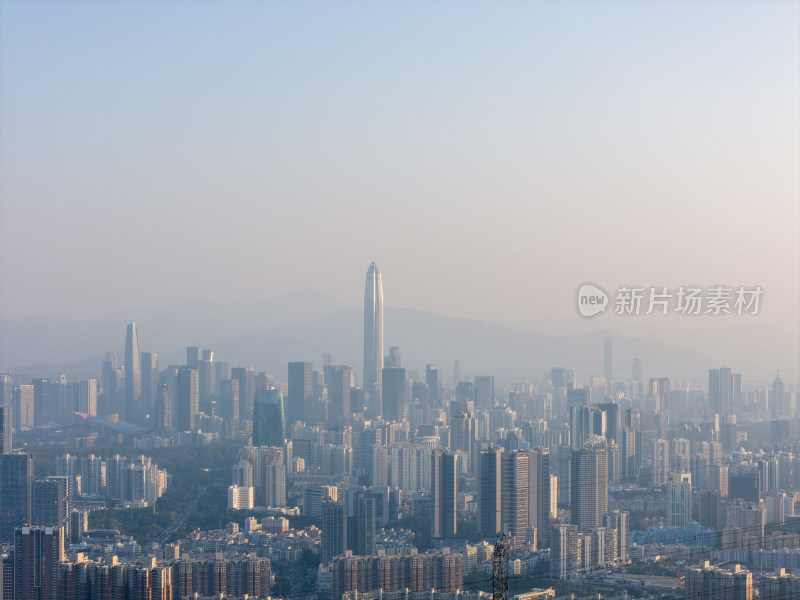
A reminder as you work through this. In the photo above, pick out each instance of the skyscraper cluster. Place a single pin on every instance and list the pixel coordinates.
(556, 465)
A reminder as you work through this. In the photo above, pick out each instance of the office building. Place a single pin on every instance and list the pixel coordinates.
(589, 485)
(22, 411)
(364, 542)
(491, 492)
(339, 380)
(539, 495)
(193, 356)
(269, 424)
(301, 389)
(187, 399)
(206, 373)
(724, 392)
(149, 390)
(394, 394)
(16, 493)
(393, 360)
(679, 499)
(515, 494)
(86, 397)
(52, 502)
(483, 388)
(5, 429)
(334, 529)
(229, 399)
(434, 382)
(458, 371)
(247, 390)
(444, 491)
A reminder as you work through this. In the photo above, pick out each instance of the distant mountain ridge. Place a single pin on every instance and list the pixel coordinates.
(269, 341)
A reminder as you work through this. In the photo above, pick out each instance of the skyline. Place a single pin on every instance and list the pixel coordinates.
(427, 337)
(583, 380)
(648, 144)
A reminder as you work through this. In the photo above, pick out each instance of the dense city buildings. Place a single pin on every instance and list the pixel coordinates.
(392, 479)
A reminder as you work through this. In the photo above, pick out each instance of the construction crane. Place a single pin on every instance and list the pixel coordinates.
(500, 568)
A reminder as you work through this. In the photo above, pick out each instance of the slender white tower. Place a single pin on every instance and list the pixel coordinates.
(373, 332)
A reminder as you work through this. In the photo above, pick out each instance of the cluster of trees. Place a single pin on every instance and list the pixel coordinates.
(193, 470)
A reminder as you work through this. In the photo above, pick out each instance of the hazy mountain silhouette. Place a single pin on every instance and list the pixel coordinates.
(486, 348)
(254, 338)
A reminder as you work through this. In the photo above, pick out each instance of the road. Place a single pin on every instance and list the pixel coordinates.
(181, 518)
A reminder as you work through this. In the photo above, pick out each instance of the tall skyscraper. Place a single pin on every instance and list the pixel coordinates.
(491, 492)
(660, 468)
(149, 364)
(334, 529)
(193, 356)
(776, 398)
(434, 383)
(37, 554)
(636, 370)
(16, 492)
(444, 488)
(364, 543)
(338, 379)
(679, 499)
(589, 485)
(269, 423)
(393, 359)
(229, 399)
(539, 495)
(206, 373)
(516, 490)
(6, 385)
(373, 331)
(247, 390)
(52, 502)
(724, 391)
(5, 429)
(301, 389)
(133, 377)
(484, 391)
(458, 371)
(22, 402)
(164, 413)
(275, 484)
(86, 397)
(608, 365)
(187, 399)
(394, 394)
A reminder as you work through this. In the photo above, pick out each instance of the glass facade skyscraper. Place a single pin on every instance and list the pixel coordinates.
(373, 331)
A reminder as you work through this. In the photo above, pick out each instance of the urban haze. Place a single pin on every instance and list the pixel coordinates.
(399, 301)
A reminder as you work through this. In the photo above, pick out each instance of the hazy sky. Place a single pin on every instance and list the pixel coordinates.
(490, 157)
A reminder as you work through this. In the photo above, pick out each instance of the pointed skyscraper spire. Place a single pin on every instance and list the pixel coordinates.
(373, 335)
